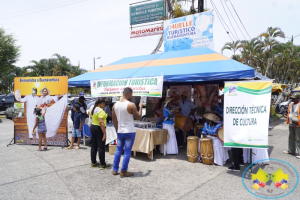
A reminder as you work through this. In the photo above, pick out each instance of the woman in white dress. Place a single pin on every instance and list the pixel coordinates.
(169, 124)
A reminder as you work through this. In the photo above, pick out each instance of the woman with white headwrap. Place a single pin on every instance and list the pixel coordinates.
(46, 98)
(169, 124)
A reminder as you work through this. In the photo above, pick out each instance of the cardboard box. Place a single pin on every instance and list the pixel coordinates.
(112, 149)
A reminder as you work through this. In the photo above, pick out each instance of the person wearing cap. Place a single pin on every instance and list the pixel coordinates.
(187, 108)
(210, 129)
(31, 102)
(293, 119)
(82, 105)
(169, 124)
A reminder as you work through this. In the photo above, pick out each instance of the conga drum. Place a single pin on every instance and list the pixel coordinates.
(183, 123)
(220, 134)
(207, 150)
(192, 148)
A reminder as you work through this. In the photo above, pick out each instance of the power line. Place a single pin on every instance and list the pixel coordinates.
(37, 8)
(229, 20)
(234, 20)
(45, 9)
(265, 11)
(239, 19)
(221, 20)
(137, 46)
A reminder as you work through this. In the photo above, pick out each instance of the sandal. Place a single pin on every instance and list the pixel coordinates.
(77, 148)
(69, 147)
(45, 148)
(39, 149)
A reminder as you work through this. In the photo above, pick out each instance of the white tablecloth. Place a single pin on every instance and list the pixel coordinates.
(111, 134)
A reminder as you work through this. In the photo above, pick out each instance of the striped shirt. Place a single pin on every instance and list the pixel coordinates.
(212, 130)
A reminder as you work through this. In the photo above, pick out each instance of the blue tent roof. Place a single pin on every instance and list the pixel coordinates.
(192, 65)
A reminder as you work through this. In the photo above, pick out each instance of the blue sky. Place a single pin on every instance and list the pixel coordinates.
(83, 29)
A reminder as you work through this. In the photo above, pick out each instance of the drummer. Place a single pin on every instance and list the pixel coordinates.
(210, 130)
(187, 109)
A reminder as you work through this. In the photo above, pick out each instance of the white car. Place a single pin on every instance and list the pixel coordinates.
(70, 122)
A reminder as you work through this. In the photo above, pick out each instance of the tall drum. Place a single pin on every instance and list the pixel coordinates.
(184, 123)
(220, 134)
(207, 150)
(192, 148)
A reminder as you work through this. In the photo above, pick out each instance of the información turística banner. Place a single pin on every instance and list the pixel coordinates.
(147, 86)
(246, 114)
(189, 32)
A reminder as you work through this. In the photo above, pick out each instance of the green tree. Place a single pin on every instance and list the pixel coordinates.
(278, 61)
(9, 54)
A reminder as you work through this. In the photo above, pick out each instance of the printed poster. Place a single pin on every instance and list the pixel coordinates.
(206, 97)
(246, 114)
(177, 91)
(189, 32)
(49, 95)
(148, 87)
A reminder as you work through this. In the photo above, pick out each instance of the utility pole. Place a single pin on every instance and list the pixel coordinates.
(95, 62)
(200, 6)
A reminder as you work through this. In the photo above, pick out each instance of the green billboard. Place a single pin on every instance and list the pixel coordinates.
(148, 12)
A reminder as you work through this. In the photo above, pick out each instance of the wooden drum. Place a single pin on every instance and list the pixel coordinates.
(192, 148)
(207, 150)
(220, 134)
(183, 123)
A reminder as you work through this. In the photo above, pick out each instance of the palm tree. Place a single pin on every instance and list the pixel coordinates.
(232, 46)
(249, 51)
(269, 43)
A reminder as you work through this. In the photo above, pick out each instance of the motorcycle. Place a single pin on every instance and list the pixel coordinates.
(284, 111)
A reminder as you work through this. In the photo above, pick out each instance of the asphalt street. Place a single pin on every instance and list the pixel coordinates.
(66, 174)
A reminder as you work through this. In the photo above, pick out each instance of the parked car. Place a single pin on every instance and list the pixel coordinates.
(280, 108)
(9, 113)
(72, 101)
(6, 102)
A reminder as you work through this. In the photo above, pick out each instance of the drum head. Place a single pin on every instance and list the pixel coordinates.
(193, 138)
(206, 139)
(18, 95)
(220, 134)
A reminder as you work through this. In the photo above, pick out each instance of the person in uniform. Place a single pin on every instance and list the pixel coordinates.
(293, 119)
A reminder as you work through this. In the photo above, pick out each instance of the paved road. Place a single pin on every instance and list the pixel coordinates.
(66, 174)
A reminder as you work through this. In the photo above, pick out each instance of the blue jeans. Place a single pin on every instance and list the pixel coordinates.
(127, 140)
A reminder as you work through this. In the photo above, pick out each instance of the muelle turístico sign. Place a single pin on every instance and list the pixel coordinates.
(147, 86)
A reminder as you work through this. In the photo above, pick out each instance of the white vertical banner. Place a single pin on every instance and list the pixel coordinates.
(246, 113)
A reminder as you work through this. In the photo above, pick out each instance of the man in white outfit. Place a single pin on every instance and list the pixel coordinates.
(123, 113)
(31, 102)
